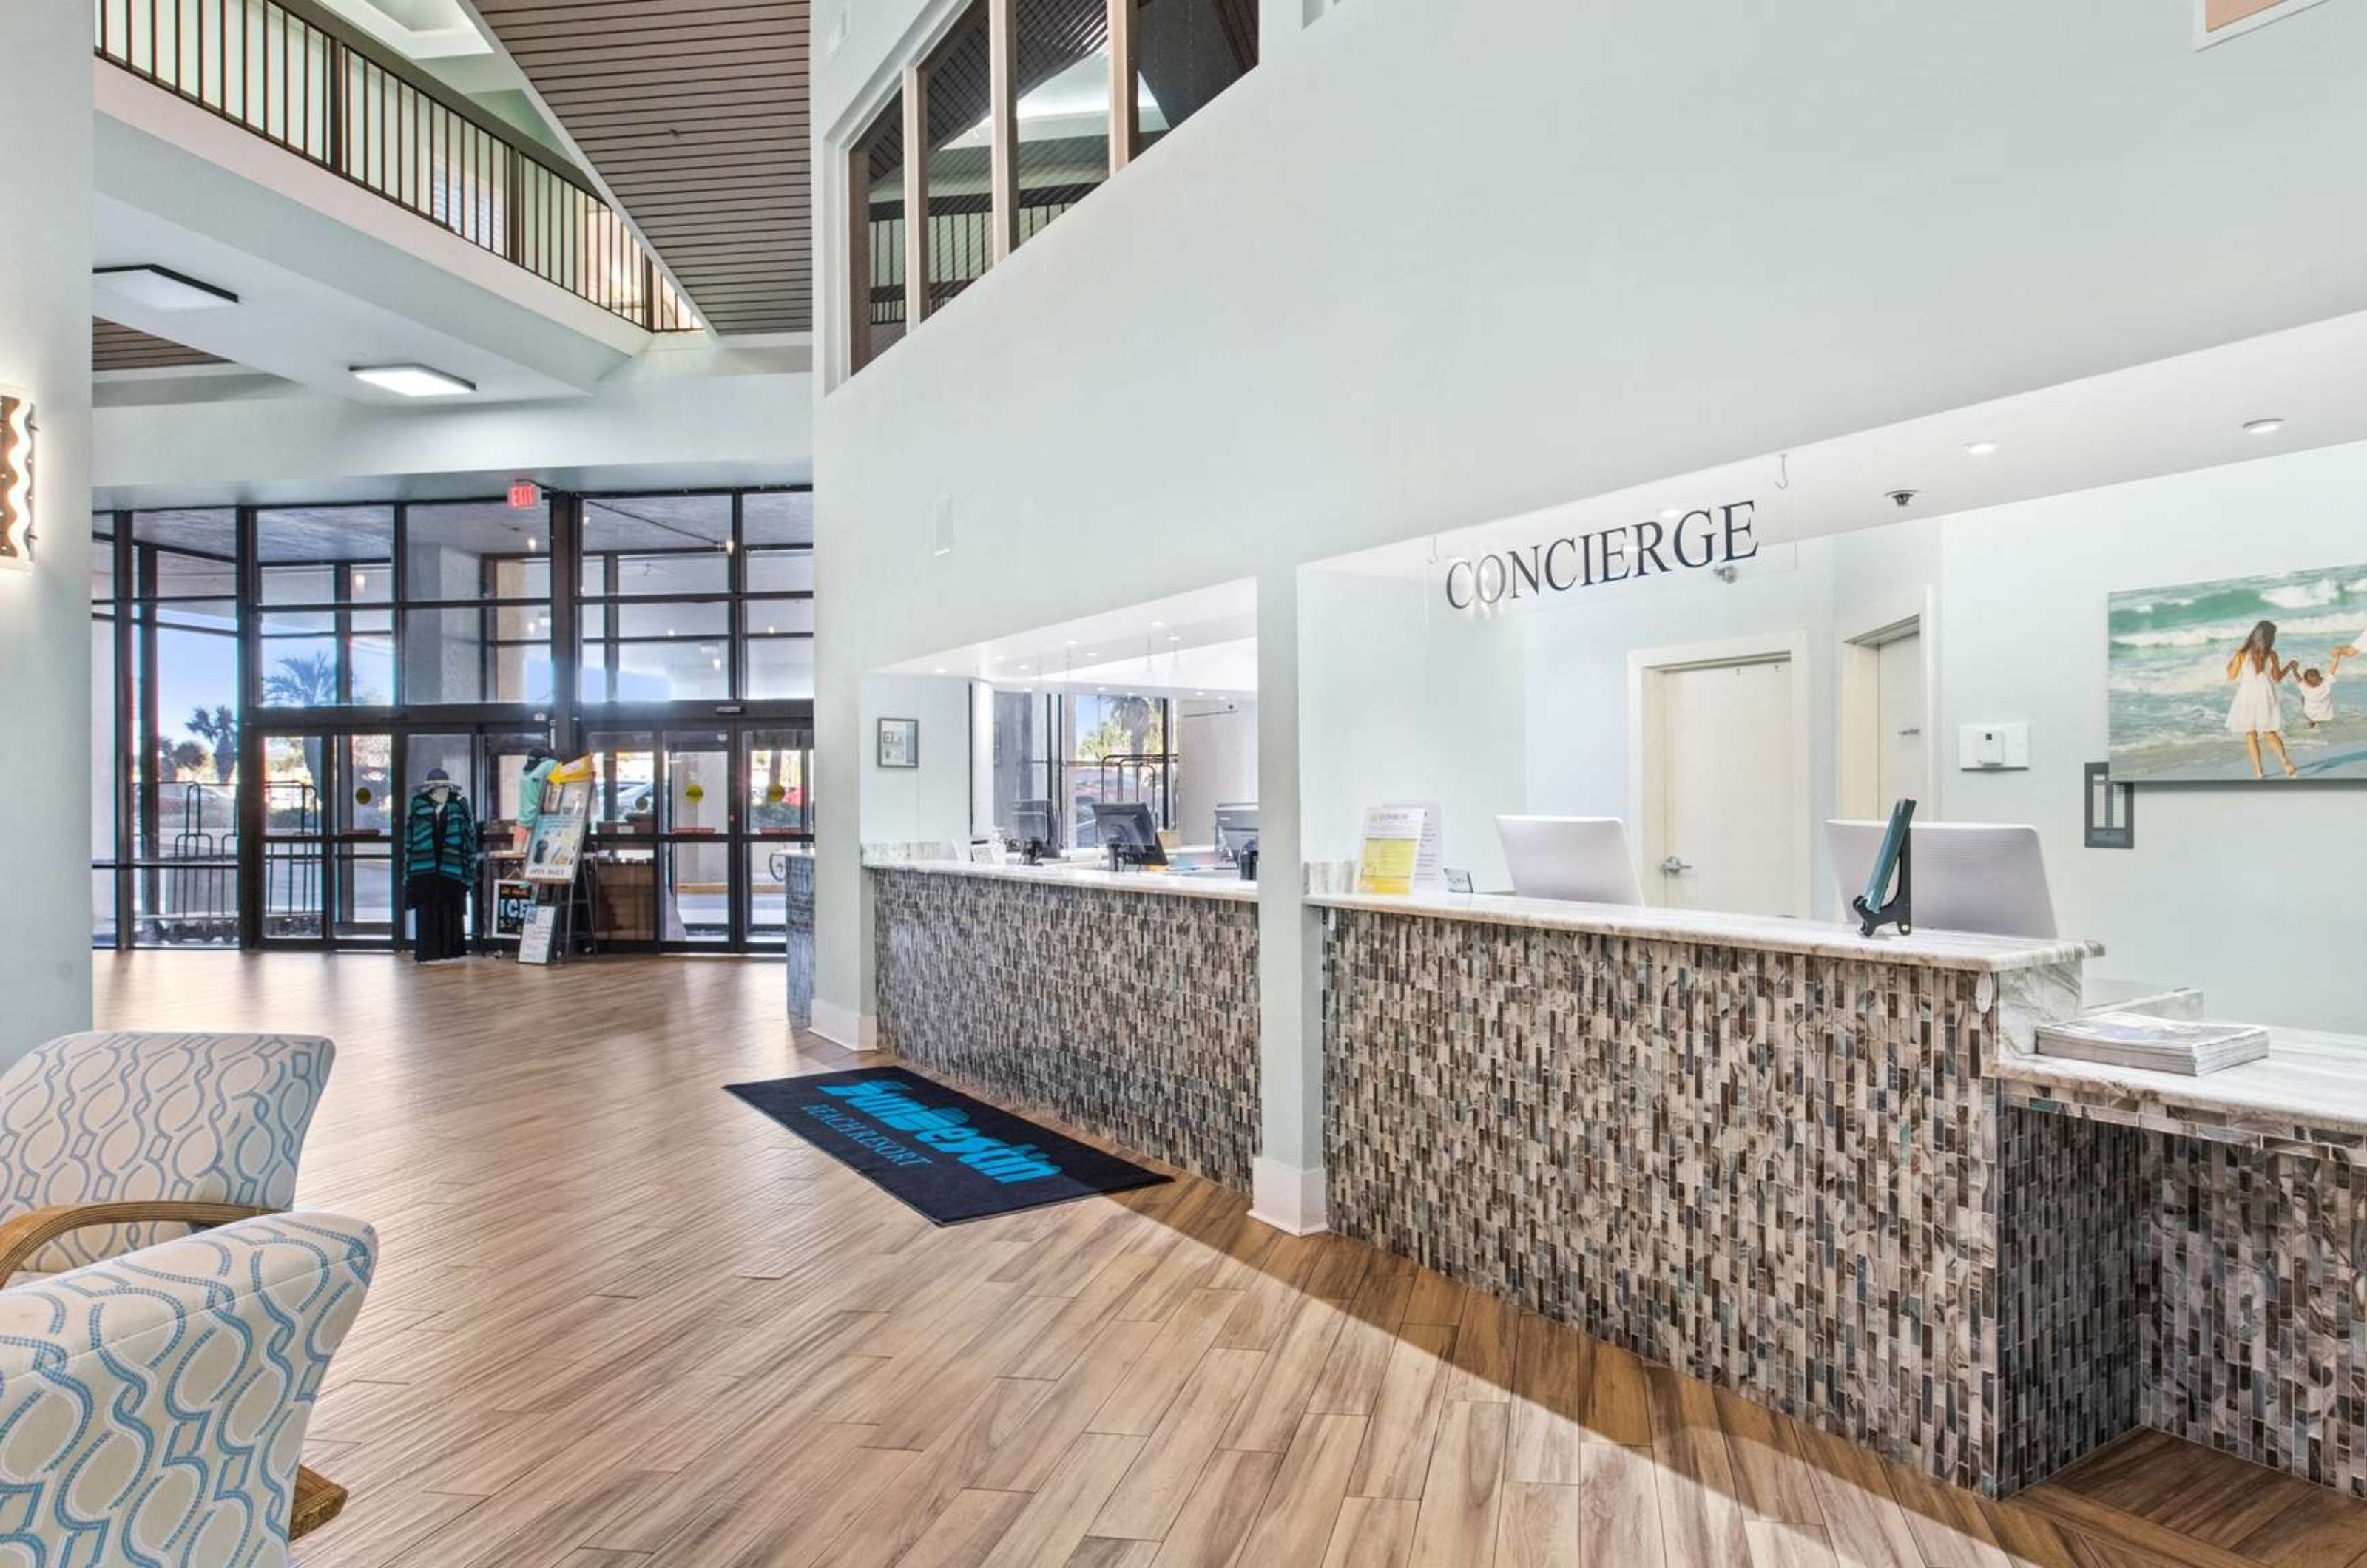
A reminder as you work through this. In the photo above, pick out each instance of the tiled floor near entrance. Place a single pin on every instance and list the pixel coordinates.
(622, 1321)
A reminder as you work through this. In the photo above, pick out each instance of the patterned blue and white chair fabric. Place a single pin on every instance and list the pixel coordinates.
(153, 1407)
(111, 1118)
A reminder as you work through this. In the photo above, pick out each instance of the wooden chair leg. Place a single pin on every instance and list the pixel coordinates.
(318, 1500)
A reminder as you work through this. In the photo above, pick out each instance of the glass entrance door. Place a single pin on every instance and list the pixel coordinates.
(329, 823)
(699, 835)
(777, 794)
(697, 823)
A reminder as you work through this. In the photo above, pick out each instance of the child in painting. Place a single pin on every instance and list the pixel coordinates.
(2257, 710)
(2318, 687)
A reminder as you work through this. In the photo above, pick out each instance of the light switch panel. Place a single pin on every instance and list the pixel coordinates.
(1993, 748)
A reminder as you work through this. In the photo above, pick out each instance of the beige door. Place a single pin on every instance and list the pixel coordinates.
(1898, 709)
(1721, 772)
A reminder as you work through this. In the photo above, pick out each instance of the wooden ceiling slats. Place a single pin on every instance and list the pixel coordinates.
(695, 112)
(117, 347)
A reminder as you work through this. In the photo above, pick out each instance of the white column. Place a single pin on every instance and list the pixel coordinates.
(842, 1004)
(45, 677)
(1286, 1181)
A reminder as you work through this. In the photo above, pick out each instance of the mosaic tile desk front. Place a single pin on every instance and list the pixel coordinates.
(1778, 1171)
(1132, 1014)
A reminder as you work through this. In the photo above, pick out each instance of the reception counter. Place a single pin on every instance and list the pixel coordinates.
(1125, 1003)
(1769, 1153)
(2229, 1300)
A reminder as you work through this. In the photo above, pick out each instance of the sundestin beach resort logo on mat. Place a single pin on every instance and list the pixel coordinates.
(949, 1156)
(944, 1128)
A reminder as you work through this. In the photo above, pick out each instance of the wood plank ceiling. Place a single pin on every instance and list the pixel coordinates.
(695, 113)
(114, 348)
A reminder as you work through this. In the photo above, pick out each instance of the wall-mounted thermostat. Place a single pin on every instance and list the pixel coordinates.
(1993, 748)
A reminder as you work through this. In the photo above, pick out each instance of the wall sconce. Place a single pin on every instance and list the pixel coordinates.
(15, 479)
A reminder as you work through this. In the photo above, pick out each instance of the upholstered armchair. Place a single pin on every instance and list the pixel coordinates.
(152, 1406)
(113, 1142)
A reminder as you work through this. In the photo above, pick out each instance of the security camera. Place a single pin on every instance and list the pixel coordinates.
(1902, 497)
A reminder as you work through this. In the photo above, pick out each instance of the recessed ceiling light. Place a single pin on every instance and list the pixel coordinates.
(2263, 426)
(1175, 636)
(1159, 626)
(1093, 653)
(1670, 513)
(413, 380)
(1979, 448)
(161, 289)
(939, 671)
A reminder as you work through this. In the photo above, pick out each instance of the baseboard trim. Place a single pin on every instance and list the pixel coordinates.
(1287, 1198)
(844, 1026)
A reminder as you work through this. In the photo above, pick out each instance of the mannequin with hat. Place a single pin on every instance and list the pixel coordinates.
(439, 862)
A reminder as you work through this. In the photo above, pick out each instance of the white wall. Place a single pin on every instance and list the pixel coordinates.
(2253, 893)
(1397, 707)
(929, 803)
(45, 681)
(1696, 232)
(1219, 742)
(2257, 894)
(1576, 651)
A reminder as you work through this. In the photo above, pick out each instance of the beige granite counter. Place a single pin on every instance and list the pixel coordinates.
(2310, 1088)
(1934, 949)
(1074, 876)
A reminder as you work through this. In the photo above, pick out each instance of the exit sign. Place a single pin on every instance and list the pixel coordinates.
(525, 494)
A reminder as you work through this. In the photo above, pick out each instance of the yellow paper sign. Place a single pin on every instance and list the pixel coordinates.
(1392, 845)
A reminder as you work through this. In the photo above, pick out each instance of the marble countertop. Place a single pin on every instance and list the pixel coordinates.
(2308, 1080)
(1229, 888)
(1934, 949)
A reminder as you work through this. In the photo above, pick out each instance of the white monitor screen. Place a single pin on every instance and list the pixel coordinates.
(1581, 859)
(1969, 876)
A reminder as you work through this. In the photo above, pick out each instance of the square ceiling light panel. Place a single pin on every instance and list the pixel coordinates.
(161, 289)
(413, 380)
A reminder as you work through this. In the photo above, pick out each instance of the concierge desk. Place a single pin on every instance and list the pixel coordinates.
(1125, 1003)
(1770, 1153)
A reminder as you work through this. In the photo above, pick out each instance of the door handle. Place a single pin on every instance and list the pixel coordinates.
(1672, 866)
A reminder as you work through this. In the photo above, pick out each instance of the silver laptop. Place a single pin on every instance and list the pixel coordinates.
(1582, 859)
(1969, 876)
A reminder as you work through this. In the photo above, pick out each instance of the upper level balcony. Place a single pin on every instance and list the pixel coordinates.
(301, 78)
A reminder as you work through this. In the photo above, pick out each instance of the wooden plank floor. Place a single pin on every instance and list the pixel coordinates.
(622, 1320)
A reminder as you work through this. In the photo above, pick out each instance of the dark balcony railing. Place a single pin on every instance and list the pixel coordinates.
(959, 245)
(297, 80)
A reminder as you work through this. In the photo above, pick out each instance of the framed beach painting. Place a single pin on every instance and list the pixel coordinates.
(2240, 678)
(2215, 22)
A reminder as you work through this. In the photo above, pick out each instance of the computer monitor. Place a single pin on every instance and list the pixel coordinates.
(1582, 859)
(1129, 824)
(1969, 876)
(1237, 829)
(1031, 822)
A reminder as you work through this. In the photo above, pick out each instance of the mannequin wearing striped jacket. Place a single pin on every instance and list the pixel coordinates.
(439, 862)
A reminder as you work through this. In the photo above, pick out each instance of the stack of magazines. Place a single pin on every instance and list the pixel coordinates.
(2160, 1044)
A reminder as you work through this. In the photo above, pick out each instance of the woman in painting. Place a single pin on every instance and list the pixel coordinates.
(2257, 710)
